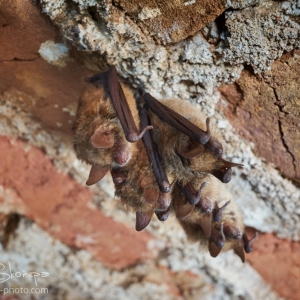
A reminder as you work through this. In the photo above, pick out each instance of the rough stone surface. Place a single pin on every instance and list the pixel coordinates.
(265, 110)
(171, 21)
(190, 70)
(63, 207)
(185, 70)
(260, 34)
(24, 30)
(220, 277)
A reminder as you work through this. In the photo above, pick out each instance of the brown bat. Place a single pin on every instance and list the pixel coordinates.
(105, 125)
(176, 167)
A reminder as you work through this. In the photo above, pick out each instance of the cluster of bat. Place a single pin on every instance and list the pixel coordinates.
(163, 157)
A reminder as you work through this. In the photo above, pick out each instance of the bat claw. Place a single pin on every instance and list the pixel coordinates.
(217, 212)
(142, 220)
(163, 215)
(191, 194)
(218, 238)
(134, 137)
(248, 243)
(96, 174)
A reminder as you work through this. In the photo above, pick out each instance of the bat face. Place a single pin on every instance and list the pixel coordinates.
(164, 157)
(99, 139)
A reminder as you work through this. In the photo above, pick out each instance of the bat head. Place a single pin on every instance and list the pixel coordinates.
(98, 135)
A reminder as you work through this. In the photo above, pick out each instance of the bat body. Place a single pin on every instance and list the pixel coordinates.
(164, 157)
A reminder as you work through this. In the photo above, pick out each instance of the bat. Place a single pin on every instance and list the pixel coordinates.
(164, 157)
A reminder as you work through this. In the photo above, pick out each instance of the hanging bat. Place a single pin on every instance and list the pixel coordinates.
(105, 125)
(164, 158)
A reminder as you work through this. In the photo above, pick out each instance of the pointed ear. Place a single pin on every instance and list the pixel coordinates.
(239, 251)
(103, 138)
(214, 251)
(205, 223)
(96, 174)
(184, 208)
(142, 220)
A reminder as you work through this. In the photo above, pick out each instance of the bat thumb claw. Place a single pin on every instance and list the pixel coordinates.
(217, 212)
(248, 243)
(134, 137)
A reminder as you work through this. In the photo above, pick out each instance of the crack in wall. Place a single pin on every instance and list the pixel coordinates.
(19, 59)
(285, 145)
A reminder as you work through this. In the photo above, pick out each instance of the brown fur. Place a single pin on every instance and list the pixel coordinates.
(135, 182)
(95, 112)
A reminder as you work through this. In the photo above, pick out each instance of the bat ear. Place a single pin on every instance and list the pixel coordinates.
(103, 138)
(150, 194)
(239, 251)
(192, 150)
(205, 223)
(96, 174)
(214, 251)
(142, 220)
(184, 208)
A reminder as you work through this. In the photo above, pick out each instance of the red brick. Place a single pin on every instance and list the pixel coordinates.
(57, 203)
